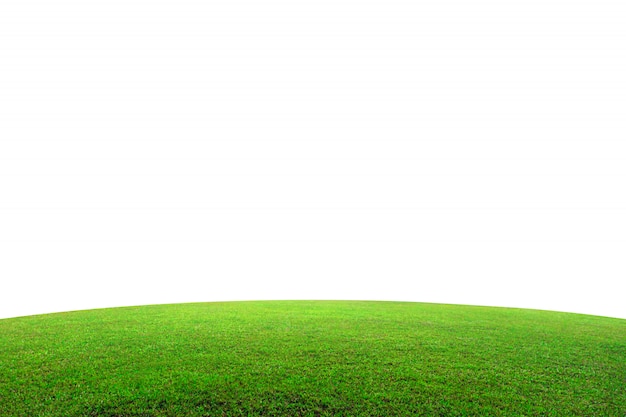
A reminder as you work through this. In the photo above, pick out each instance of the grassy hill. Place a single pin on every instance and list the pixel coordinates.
(312, 358)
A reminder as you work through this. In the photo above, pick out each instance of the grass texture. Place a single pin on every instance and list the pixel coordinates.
(312, 358)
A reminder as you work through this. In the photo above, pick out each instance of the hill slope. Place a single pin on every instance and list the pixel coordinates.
(312, 358)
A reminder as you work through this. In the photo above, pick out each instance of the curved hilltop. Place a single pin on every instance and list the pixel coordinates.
(312, 358)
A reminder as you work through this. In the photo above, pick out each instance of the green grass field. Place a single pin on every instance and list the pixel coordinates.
(312, 358)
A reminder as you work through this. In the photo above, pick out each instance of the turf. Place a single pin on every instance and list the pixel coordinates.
(312, 358)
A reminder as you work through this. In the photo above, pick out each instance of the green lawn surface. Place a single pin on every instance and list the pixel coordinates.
(312, 358)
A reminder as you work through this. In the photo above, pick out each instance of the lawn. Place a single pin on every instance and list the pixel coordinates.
(312, 358)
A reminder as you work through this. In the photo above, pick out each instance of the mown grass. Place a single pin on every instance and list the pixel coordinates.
(312, 358)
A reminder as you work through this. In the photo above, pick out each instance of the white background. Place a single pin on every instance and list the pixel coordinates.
(468, 152)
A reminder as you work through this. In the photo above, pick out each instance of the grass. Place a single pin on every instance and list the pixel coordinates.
(312, 358)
